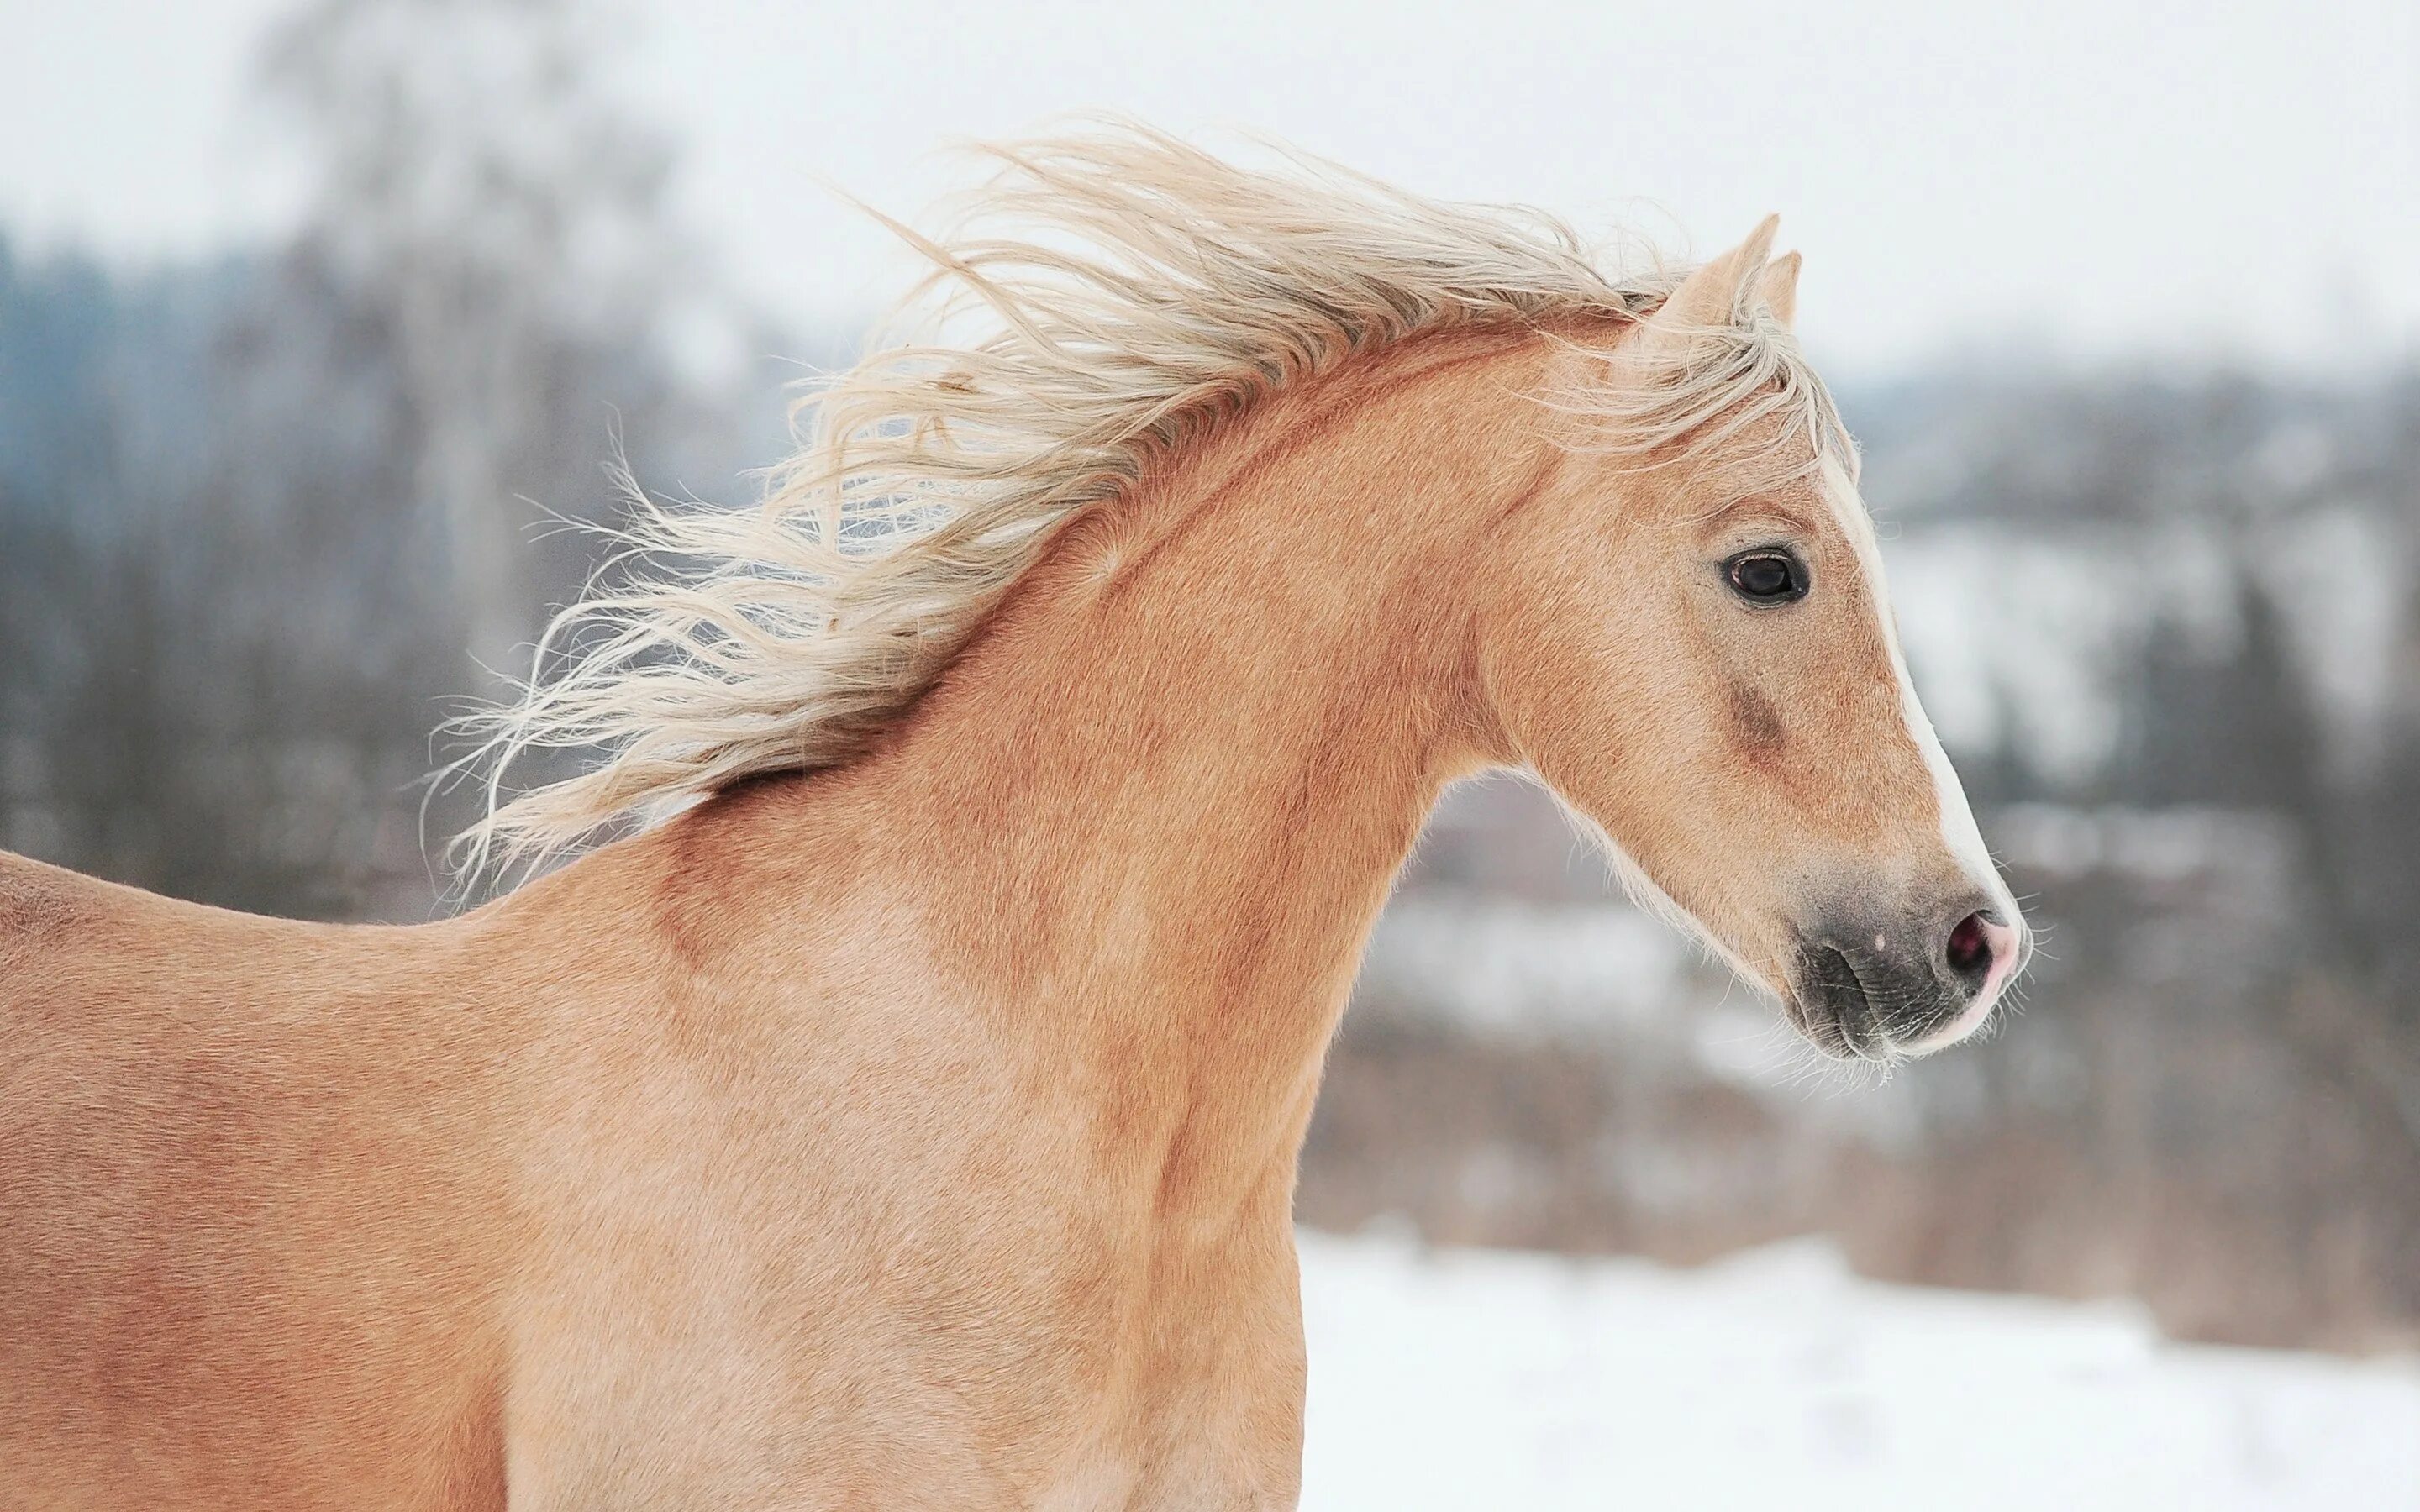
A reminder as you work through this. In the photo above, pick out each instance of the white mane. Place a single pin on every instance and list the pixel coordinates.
(1132, 292)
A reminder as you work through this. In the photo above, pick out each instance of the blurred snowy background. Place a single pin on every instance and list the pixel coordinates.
(316, 315)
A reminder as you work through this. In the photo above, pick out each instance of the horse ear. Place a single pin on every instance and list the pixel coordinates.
(1778, 288)
(1710, 297)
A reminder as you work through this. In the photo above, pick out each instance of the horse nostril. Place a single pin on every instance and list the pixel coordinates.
(1970, 947)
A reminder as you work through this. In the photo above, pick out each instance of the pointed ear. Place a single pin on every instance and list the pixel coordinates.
(1710, 297)
(1778, 288)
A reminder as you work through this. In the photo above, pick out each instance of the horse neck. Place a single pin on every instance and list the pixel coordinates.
(1151, 815)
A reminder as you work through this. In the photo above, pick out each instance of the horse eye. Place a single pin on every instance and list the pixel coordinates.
(1766, 577)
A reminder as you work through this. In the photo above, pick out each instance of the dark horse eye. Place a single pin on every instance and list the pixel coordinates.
(1766, 577)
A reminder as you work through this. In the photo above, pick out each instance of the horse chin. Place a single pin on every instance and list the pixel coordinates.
(1963, 1025)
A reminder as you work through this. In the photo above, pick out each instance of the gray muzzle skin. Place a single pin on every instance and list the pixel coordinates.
(1872, 985)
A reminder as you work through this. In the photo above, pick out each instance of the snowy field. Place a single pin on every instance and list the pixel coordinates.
(1513, 1383)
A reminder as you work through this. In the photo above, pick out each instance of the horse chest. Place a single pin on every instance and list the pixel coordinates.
(984, 1316)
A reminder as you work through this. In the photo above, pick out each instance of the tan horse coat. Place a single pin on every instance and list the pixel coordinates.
(919, 1132)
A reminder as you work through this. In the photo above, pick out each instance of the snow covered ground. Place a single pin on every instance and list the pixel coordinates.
(1513, 1383)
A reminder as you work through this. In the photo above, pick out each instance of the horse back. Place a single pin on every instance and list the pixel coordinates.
(246, 1220)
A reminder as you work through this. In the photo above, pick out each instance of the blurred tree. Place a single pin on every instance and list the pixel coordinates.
(477, 191)
(252, 512)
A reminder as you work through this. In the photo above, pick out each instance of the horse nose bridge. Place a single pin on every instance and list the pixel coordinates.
(1934, 860)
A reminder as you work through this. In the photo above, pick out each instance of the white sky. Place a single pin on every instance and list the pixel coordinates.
(2086, 179)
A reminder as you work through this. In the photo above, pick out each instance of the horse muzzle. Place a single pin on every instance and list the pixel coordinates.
(1864, 988)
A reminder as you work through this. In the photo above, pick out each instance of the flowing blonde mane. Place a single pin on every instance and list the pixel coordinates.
(1129, 292)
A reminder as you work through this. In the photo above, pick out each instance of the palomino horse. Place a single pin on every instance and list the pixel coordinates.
(903, 1111)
